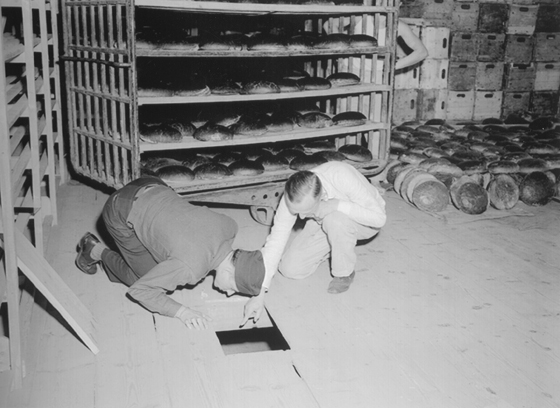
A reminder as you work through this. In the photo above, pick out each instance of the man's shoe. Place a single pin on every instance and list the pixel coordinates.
(339, 285)
(84, 261)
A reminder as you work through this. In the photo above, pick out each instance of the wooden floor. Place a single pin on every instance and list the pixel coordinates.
(456, 311)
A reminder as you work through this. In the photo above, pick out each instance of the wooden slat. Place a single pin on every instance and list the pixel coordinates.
(146, 52)
(256, 8)
(7, 119)
(49, 283)
(152, 100)
(240, 140)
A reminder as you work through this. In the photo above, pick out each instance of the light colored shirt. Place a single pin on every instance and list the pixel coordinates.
(185, 240)
(358, 199)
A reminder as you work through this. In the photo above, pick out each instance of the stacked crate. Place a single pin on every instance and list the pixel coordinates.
(407, 83)
(504, 56)
(463, 56)
(546, 59)
(421, 90)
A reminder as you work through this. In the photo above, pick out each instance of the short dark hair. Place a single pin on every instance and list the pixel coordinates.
(301, 184)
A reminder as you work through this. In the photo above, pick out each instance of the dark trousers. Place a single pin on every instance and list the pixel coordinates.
(134, 259)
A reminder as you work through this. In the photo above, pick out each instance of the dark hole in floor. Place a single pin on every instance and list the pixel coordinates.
(252, 340)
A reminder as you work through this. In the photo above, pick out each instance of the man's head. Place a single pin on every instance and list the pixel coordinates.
(303, 192)
(241, 271)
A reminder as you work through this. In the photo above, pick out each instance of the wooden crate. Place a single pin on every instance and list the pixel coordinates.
(408, 78)
(436, 40)
(460, 105)
(487, 104)
(491, 47)
(520, 77)
(489, 76)
(432, 104)
(547, 47)
(514, 102)
(434, 73)
(464, 46)
(519, 48)
(544, 103)
(405, 105)
(428, 9)
(493, 17)
(548, 18)
(464, 16)
(522, 19)
(462, 76)
(547, 77)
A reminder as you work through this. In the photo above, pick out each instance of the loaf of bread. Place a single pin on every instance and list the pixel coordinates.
(306, 162)
(343, 79)
(350, 118)
(246, 167)
(212, 171)
(213, 132)
(315, 120)
(356, 153)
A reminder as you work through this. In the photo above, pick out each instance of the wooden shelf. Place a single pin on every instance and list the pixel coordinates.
(212, 98)
(240, 140)
(146, 52)
(257, 8)
(367, 168)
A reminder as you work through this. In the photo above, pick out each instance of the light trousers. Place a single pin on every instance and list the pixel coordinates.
(336, 235)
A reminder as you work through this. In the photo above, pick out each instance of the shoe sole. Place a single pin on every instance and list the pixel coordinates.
(87, 266)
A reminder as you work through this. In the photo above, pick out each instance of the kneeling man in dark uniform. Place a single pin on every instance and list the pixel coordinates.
(165, 242)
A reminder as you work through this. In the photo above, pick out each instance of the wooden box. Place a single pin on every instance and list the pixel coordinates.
(405, 105)
(464, 16)
(547, 77)
(408, 78)
(519, 77)
(489, 76)
(513, 102)
(522, 19)
(460, 105)
(487, 104)
(434, 73)
(464, 46)
(519, 48)
(492, 17)
(544, 103)
(548, 18)
(547, 47)
(436, 40)
(428, 9)
(491, 47)
(432, 104)
(462, 76)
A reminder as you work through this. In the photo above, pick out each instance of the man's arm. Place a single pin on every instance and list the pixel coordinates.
(272, 252)
(150, 290)
(419, 50)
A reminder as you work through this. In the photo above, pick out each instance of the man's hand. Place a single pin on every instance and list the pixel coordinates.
(325, 208)
(253, 309)
(192, 318)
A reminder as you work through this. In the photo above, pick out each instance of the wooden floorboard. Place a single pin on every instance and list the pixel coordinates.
(454, 312)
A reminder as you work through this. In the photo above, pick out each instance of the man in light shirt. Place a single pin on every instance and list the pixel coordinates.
(340, 207)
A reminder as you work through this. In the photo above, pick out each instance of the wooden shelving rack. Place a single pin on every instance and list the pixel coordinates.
(106, 103)
(31, 146)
